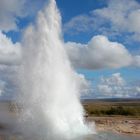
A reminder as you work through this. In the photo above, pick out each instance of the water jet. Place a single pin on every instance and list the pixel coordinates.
(49, 86)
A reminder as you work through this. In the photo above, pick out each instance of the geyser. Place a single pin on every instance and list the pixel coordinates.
(49, 86)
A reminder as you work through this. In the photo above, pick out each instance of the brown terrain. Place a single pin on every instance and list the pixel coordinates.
(119, 116)
(117, 124)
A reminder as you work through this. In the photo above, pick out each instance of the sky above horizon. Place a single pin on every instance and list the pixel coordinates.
(102, 40)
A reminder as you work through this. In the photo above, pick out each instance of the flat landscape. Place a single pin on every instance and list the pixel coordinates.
(117, 115)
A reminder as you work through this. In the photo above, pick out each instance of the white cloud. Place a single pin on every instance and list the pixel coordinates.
(98, 53)
(9, 11)
(116, 86)
(2, 86)
(8, 79)
(105, 89)
(118, 17)
(112, 86)
(114, 80)
(9, 53)
(81, 23)
(137, 91)
(136, 61)
(122, 17)
(10, 58)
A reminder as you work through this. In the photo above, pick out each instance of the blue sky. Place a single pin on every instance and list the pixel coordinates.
(90, 23)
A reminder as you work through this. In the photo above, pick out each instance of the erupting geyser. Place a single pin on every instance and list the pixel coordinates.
(49, 86)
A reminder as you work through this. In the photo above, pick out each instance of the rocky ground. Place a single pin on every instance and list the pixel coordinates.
(122, 125)
(117, 124)
(127, 126)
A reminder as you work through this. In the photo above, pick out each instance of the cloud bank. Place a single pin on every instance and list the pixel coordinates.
(100, 53)
(116, 86)
(10, 54)
(9, 11)
(112, 86)
(12, 11)
(118, 18)
(10, 58)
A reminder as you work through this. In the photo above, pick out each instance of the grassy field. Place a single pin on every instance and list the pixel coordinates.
(112, 107)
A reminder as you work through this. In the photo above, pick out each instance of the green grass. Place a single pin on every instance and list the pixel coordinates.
(112, 108)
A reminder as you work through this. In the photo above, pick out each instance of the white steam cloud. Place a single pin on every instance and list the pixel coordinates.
(50, 88)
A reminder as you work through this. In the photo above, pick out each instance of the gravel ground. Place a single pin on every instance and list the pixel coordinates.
(117, 124)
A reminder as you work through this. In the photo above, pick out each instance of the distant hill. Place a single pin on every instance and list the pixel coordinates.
(112, 100)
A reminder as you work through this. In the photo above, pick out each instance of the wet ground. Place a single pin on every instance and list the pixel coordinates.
(98, 136)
